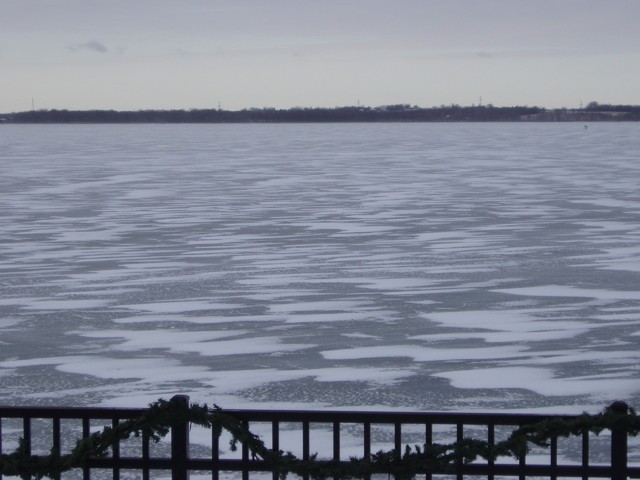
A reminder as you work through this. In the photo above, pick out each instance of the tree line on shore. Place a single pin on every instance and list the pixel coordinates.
(387, 113)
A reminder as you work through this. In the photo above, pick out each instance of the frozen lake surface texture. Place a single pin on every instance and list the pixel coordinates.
(377, 266)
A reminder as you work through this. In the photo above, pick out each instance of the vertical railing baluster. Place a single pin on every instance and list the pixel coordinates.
(619, 438)
(215, 454)
(585, 455)
(146, 455)
(115, 450)
(275, 444)
(459, 438)
(397, 440)
(180, 442)
(491, 440)
(26, 434)
(553, 452)
(305, 445)
(428, 441)
(0, 443)
(305, 440)
(56, 447)
(367, 439)
(245, 453)
(86, 432)
(522, 463)
(336, 441)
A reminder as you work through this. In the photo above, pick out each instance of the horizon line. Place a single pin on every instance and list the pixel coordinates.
(406, 106)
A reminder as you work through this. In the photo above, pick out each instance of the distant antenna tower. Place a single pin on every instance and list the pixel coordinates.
(219, 107)
(480, 104)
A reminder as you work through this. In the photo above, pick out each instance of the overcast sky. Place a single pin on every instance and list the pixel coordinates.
(140, 54)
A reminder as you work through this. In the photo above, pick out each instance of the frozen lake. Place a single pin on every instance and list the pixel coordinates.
(383, 266)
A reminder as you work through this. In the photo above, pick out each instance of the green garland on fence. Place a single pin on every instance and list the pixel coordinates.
(157, 420)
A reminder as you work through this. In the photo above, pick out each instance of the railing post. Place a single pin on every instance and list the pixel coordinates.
(180, 442)
(619, 444)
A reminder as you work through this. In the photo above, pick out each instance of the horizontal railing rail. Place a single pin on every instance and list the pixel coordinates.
(180, 457)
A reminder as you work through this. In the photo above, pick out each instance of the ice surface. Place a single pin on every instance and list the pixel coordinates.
(398, 266)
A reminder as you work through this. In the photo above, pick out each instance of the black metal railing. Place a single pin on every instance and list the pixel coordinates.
(397, 429)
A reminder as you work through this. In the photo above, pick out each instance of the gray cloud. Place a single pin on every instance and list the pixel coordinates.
(92, 45)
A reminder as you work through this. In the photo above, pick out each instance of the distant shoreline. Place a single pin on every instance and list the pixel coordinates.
(387, 113)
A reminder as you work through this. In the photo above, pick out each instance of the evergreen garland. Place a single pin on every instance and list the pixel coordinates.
(157, 420)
